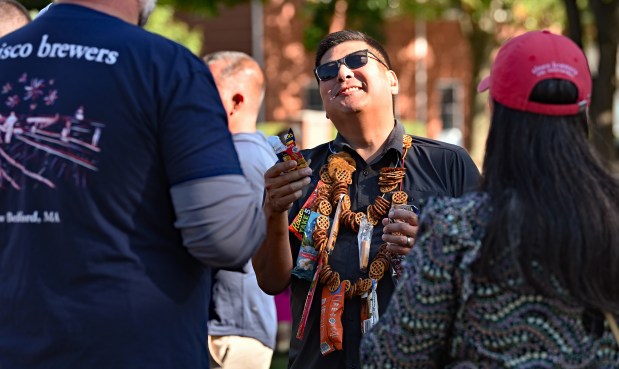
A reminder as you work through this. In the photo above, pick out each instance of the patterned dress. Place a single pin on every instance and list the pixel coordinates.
(441, 316)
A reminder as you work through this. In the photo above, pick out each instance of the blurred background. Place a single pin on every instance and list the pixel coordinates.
(440, 50)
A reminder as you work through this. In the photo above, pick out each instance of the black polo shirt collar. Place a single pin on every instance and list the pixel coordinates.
(394, 142)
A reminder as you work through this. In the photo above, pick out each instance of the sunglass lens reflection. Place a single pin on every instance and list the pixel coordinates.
(329, 70)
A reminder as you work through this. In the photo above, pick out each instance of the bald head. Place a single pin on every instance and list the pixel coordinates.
(13, 15)
(241, 85)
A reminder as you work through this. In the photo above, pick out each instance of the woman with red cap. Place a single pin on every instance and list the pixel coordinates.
(523, 273)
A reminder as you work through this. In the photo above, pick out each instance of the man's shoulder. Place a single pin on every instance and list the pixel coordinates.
(322, 149)
(429, 144)
(317, 154)
(446, 166)
(319, 148)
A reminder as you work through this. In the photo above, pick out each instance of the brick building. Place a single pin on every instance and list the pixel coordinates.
(431, 60)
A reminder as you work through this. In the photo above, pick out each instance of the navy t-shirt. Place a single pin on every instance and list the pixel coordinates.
(98, 118)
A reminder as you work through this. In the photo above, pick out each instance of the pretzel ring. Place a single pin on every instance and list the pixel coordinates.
(377, 269)
(334, 284)
(399, 197)
(324, 175)
(385, 189)
(346, 285)
(324, 207)
(322, 222)
(358, 217)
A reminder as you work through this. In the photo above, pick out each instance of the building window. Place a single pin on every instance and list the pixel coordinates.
(452, 110)
(312, 100)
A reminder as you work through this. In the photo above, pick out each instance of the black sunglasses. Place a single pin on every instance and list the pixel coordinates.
(358, 59)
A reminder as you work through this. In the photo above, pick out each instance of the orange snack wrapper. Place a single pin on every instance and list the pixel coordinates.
(331, 328)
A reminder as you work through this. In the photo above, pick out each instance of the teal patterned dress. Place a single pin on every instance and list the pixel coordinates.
(441, 316)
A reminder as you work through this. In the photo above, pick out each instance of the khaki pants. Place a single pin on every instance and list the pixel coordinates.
(236, 352)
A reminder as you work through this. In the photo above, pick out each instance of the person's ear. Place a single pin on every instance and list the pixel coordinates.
(237, 101)
(393, 82)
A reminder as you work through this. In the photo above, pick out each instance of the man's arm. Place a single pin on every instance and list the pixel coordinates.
(273, 259)
(214, 230)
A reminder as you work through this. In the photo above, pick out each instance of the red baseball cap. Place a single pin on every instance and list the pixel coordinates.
(527, 59)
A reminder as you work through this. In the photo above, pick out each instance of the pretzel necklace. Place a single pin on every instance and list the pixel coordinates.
(336, 174)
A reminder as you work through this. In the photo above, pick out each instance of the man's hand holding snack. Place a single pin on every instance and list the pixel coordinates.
(284, 184)
(285, 180)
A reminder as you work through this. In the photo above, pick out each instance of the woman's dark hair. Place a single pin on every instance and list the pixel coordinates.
(555, 219)
(339, 37)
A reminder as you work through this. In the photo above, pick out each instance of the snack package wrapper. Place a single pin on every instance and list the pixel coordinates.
(307, 259)
(300, 221)
(364, 238)
(289, 150)
(331, 328)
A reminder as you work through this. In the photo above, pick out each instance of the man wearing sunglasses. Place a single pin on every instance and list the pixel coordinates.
(357, 86)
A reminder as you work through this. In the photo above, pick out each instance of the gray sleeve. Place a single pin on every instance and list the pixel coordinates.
(220, 219)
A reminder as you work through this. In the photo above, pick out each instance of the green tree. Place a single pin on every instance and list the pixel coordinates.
(480, 20)
(162, 21)
(591, 22)
(606, 15)
(585, 21)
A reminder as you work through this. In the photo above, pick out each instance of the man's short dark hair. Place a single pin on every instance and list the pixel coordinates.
(346, 35)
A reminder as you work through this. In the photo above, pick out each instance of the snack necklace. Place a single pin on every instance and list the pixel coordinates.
(337, 176)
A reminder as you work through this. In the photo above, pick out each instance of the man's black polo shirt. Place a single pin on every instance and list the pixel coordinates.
(433, 168)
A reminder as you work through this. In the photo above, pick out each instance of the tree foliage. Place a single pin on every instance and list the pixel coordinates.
(162, 21)
(208, 7)
(485, 23)
(366, 16)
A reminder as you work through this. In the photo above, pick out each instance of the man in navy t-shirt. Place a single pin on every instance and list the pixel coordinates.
(119, 189)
